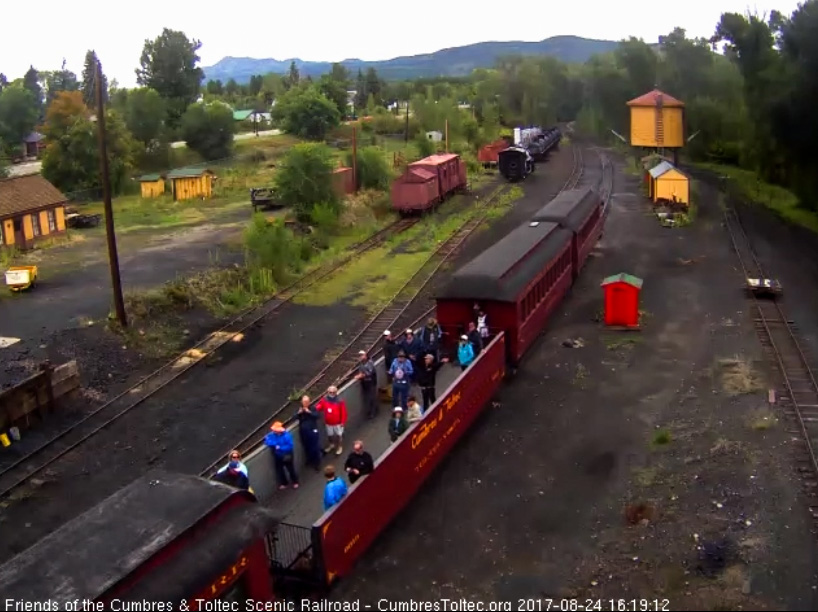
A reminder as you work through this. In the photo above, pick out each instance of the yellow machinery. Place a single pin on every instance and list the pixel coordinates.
(20, 278)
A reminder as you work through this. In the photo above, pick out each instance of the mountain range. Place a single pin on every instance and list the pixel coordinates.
(456, 61)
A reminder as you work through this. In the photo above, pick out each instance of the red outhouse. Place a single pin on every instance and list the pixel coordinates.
(622, 300)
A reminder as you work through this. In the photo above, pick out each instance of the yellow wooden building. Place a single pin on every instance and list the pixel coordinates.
(189, 183)
(669, 183)
(657, 121)
(153, 185)
(31, 208)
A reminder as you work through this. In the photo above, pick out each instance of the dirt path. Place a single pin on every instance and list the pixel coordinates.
(608, 468)
(187, 425)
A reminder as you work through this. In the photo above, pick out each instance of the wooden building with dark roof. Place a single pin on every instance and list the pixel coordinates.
(31, 208)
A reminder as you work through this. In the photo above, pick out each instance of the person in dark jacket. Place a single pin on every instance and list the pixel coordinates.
(401, 372)
(474, 338)
(390, 353)
(359, 463)
(368, 376)
(412, 347)
(281, 444)
(397, 424)
(233, 476)
(430, 337)
(308, 431)
(426, 377)
(335, 490)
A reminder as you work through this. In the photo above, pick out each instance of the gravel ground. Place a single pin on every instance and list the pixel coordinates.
(188, 424)
(606, 466)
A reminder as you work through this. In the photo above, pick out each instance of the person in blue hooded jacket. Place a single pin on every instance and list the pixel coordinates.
(335, 490)
(465, 352)
(281, 443)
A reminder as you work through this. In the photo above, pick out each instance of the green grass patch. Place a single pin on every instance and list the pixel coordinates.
(661, 438)
(778, 199)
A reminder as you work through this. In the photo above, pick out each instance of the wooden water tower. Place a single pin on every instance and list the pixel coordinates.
(657, 123)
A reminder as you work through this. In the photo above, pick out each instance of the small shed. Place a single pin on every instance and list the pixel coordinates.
(189, 183)
(34, 144)
(31, 208)
(435, 136)
(621, 293)
(153, 185)
(669, 183)
(342, 181)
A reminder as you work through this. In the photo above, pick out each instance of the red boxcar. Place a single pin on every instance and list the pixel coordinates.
(517, 282)
(165, 537)
(416, 190)
(488, 154)
(342, 181)
(347, 530)
(581, 212)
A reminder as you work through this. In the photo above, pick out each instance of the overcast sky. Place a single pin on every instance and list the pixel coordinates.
(45, 32)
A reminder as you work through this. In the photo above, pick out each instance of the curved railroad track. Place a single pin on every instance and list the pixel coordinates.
(778, 337)
(392, 316)
(42, 457)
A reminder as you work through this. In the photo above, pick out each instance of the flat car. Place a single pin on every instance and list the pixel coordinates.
(518, 282)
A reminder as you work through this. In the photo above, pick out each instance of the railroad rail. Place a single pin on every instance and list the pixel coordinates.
(341, 368)
(778, 337)
(110, 412)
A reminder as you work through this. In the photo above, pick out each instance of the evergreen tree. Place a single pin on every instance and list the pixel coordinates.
(360, 92)
(31, 82)
(88, 87)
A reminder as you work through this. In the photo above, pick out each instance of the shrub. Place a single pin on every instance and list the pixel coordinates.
(271, 246)
(304, 178)
(373, 169)
(425, 146)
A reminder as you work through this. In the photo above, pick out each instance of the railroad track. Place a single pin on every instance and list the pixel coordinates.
(778, 336)
(22, 470)
(391, 316)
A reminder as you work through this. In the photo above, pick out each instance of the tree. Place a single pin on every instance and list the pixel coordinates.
(293, 77)
(360, 92)
(307, 113)
(66, 109)
(31, 81)
(144, 115)
(214, 88)
(71, 160)
(231, 88)
(3, 81)
(18, 116)
(334, 90)
(373, 86)
(254, 87)
(89, 81)
(59, 80)
(208, 129)
(304, 178)
(168, 65)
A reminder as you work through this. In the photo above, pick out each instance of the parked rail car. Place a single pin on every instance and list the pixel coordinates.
(428, 182)
(515, 163)
(165, 537)
(582, 212)
(518, 282)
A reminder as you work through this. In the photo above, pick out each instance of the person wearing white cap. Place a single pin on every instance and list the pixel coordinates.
(397, 424)
(368, 376)
(465, 352)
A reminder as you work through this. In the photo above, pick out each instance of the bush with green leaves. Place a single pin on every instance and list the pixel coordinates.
(304, 178)
(372, 169)
(271, 246)
(208, 129)
(425, 146)
(307, 113)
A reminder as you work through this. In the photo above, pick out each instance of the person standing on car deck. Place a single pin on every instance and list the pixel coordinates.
(335, 418)
(427, 378)
(368, 376)
(401, 372)
(308, 431)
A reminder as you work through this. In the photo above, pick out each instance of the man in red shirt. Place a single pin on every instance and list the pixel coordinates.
(335, 418)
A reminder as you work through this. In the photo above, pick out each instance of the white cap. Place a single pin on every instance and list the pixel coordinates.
(362, 352)
(410, 331)
(387, 333)
(397, 409)
(464, 337)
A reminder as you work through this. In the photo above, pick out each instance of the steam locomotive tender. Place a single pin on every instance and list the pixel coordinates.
(515, 163)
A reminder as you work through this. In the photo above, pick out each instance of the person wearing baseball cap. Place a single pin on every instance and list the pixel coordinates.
(368, 376)
(397, 424)
(281, 444)
(465, 352)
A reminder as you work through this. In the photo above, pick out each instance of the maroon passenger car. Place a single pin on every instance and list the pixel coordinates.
(517, 282)
(581, 212)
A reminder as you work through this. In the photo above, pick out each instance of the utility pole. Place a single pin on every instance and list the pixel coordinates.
(406, 136)
(113, 258)
(447, 135)
(355, 159)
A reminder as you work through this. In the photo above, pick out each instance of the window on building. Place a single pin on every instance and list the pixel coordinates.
(35, 225)
(52, 221)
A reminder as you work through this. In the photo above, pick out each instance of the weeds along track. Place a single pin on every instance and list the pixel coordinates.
(341, 367)
(401, 312)
(70, 438)
(778, 335)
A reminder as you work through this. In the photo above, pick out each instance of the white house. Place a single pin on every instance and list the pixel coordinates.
(434, 136)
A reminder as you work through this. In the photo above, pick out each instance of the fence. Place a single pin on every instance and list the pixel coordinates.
(36, 396)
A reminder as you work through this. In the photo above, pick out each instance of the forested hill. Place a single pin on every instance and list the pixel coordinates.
(457, 61)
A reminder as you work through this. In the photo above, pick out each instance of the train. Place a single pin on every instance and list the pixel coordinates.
(428, 182)
(174, 539)
(532, 145)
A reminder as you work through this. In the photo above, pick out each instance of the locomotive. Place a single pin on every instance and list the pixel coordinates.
(515, 163)
(535, 143)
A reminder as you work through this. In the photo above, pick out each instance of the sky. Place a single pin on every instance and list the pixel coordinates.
(325, 30)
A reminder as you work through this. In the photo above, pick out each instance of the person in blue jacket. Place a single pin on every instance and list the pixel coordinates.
(401, 373)
(335, 490)
(465, 352)
(281, 444)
